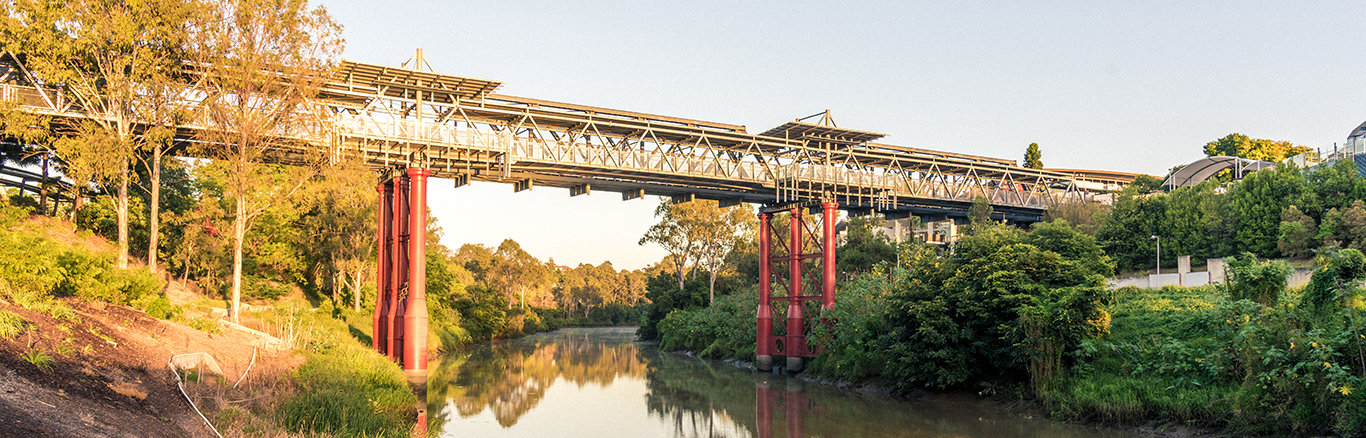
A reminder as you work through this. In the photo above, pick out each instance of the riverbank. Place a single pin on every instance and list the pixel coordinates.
(1252, 358)
(1026, 408)
(84, 348)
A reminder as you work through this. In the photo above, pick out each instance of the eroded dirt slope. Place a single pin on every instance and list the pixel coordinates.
(108, 376)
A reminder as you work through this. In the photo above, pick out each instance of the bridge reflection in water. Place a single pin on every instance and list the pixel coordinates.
(601, 383)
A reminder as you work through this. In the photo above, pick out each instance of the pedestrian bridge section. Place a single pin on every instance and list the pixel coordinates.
(461, 129)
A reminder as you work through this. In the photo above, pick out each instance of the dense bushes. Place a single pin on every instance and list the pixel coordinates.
(1247, 356)
(35, 269)
(724, 329)
(1003, 303)
(967, 308)
(665, 297)
(1283, 211)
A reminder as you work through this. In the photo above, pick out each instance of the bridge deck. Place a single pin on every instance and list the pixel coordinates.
(393, 116)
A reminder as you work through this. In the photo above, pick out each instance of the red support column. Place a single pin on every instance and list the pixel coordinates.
(398, 258)
(796, 340)
(830, 214)
(415, 314)
(378, 333)
(763, 351)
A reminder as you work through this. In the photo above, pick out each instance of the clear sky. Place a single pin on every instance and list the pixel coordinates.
(1127, 86)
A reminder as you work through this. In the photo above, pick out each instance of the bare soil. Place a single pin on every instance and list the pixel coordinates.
(109, 374)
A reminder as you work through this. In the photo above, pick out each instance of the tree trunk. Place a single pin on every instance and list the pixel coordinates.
(711, 293)
(681, 262)
(77, 202)
(239, 232)
(122, 210)
(356, 286)
(523, 293)
(155, 216)
(42, 188)
(337, 279)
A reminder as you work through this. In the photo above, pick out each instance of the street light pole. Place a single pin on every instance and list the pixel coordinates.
(1159, 254)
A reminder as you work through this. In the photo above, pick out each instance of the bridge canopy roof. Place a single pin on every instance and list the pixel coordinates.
(405, 83)
(798, 129)
(1201, 170)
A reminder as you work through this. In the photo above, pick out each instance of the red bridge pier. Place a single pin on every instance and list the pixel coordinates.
(793, 345)
(400, 321)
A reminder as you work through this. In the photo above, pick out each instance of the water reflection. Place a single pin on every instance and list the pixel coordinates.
(598, 382)
(511, 378)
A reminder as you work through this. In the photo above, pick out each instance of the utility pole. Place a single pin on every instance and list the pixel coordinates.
(1159, 254)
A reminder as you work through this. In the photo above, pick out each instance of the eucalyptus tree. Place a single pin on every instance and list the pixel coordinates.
(517, 270)
(101, 54)
(262, 63)
(721, 231)
(340, 228)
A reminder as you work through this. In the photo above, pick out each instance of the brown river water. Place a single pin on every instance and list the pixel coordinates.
(600, 382)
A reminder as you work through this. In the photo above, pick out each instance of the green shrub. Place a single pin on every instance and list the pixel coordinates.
(725, 329)
(206, 325)
(257, 288)
(11, 214)
(848, 341)
(39, 359)
(158, 306)
(11, 324)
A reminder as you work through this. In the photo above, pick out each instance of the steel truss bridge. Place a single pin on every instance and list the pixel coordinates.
(457, 126)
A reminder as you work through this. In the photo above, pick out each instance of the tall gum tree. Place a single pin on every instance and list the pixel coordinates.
(264, 61)
(99, 54)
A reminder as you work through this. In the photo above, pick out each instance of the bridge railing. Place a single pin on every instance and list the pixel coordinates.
(578, 154)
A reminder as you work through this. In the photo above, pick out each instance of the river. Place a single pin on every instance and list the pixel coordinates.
(599, 382)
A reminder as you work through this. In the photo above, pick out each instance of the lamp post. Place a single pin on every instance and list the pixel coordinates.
(1159, 254)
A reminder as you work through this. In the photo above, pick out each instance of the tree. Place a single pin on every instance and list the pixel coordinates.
(102, 53)
(27, 141)
(517, 270)
(1350, 228)
(979, 214)
(700, 231)
(1255, 206)
(340, 227)
(263, 62)
(1239, 145)
(1126, 231)
(1297, 233)
(721, 231)
(1083, 214)
(674, 234)
(1033, 158)
(864, 247)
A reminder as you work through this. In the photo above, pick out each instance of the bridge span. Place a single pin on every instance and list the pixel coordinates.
(461, 129)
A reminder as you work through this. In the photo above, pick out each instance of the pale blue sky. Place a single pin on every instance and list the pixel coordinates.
(1128, 86)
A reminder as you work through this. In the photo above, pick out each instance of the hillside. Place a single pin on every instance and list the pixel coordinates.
(85, 346)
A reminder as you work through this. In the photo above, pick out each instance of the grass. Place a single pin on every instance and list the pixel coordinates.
(11, 324)
(343, 387)
(1117, 399)
(42, 303)
(39, 359)
(347, 388)
(65, 348)
(205, 325)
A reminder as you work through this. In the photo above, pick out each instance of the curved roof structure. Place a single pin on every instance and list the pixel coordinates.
(1201, 170)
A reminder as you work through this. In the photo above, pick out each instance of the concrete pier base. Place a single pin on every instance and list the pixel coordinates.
(764, 362)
